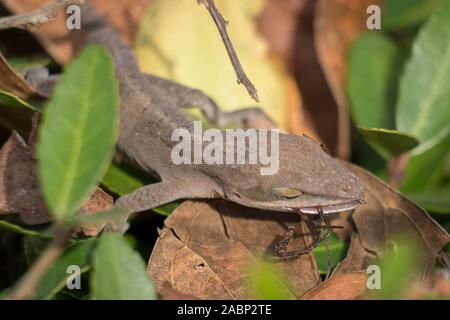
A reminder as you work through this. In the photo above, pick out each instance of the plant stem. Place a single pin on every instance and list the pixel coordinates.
(27, 286)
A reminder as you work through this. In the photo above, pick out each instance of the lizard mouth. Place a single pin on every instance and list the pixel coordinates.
(333, 208)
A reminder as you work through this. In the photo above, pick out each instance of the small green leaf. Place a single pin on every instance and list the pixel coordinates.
(25, 63)
(167, 209)
(4, 225)
(56, 278)
(119, 272)
(79, 132)
(267, 283)
(389, 142)
(337, 251)
(426, 169)
(374, 68)
(10, 100)
(437, 201)
(403, 14)
(124, 179)
(106, 216)
(423, 108)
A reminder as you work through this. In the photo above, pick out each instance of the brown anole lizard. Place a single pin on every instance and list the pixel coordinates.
(309, 180)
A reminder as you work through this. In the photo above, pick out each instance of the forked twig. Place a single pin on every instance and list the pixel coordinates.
(222, 27)
(33, 20)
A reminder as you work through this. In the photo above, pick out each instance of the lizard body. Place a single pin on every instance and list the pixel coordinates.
(308, 181)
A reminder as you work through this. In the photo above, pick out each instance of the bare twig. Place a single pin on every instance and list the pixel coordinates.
(33, 20)
(222, 27)
(396, 169)
(27, 286)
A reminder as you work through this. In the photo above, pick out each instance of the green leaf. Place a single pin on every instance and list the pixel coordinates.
(79, 254)
(167, 209)
(25, 63)
(364, 155)
(423, 108)
(426, 169)
(374, 68)
(437, 201)
(79, 132)
(119, 272)
(337, 251)
(398, 14)
(266, 282)
(103, 216)
(397, 267)
(10, 100)
(7, 226)
(389, 142)
(124, 179)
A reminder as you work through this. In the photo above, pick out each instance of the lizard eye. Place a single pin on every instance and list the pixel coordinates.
(286, 193)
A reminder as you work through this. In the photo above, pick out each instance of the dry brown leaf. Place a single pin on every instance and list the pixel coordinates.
(99, 201)
(19, 188)
(345, 286)
(389, 214)
(206, 247)
(18, 119)
(437, 288)
(278, 23)
(62, 43)
(12, 82)
(337, 24)
(168, 293)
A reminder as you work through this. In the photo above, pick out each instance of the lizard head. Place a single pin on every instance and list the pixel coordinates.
(308, 180)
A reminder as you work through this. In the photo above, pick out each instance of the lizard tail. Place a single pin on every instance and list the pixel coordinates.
(98, 31)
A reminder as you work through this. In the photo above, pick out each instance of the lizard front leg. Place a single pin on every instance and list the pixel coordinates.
(186, 97)
(155, 195)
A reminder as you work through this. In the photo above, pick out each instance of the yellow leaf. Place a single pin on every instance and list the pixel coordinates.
(178, 40)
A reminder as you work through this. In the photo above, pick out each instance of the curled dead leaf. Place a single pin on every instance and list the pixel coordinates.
(320, 111)
(337, 24)
(389, 214)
